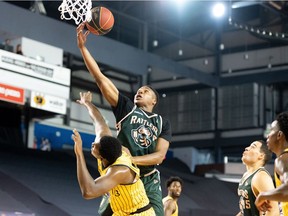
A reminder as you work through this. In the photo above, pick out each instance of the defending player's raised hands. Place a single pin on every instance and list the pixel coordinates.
(84, 98)
(77, 142)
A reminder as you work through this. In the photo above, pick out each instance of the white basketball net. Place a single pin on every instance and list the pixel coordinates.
(79, 10)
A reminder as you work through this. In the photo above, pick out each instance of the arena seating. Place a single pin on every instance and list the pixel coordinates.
(44, 183)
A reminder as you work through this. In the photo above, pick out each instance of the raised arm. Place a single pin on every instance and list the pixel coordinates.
(108, 89)
(101, 128)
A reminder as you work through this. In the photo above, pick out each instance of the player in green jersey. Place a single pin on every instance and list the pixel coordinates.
(255, 180)
(146, 134)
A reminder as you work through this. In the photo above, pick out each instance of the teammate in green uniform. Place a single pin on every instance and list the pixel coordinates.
(174, 186)
(118, 175)
(146, 134)
(255, 180)
(277, 141)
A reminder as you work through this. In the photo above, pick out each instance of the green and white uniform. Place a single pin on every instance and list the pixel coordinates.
(247, 196)
(139, 131)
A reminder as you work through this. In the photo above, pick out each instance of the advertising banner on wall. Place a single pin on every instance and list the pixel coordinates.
(47, 137)
(12, 94)
(48, 102)
(31, 74)
(33, 68)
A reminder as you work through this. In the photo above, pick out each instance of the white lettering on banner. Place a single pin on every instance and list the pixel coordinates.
(7, 60)
(19, 63)
(10, 92)
(36, 68)
(56, 103)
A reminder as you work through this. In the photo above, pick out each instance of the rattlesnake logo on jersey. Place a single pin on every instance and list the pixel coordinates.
(142, 136)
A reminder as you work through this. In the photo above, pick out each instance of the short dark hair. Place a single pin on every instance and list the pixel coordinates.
(110, 148)
(173, 179)
(282, 121)
(155, 92)
(264, 149)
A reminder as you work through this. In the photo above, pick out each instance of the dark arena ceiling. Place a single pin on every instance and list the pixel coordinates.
(187, 32)
(189, 27)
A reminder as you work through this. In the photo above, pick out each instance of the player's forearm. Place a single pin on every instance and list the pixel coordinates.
(106, 86)
(274, 211)
(279, 194)
(91, 64)
(101, 128)
(149, 159)
(95, 115)
(85, 180)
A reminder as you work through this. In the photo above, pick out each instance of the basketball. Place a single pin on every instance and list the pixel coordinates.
(101, 21)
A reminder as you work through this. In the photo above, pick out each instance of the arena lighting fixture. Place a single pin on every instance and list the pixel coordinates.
(180, 3)
(221, 46)
(155, 43)
(261, 32)
(241, 4)
(218, 10)
(246, 56)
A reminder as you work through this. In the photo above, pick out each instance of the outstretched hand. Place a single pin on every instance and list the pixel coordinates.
(81, 35)
(77, 142)
(84, 98)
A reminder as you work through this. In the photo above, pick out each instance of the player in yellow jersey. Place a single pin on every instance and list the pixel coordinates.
(118, 175)
(174, 186)
(277, 141)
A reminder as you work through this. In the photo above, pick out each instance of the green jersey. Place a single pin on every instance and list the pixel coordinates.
(144, 130)
(139, 130)
(247, 196)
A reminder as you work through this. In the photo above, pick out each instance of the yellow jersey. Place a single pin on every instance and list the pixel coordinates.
(284, 205)
(128, 199)
(165, 199)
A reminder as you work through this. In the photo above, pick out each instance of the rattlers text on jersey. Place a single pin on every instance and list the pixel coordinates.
(144, 131)
(128, 199)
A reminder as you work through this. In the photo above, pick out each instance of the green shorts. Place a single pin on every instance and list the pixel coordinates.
(105, 208)
(153, 190)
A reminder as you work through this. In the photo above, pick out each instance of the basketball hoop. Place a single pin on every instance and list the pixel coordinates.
(78, 10)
